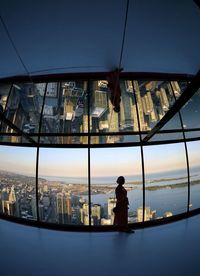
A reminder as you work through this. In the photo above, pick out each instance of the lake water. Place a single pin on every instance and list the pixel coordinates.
(161, 200)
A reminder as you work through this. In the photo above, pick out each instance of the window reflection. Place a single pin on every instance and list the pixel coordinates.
(63, 186)
(166, 181)
(106, 165)
(17, 182)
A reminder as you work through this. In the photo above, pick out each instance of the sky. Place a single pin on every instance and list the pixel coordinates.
(104, 161)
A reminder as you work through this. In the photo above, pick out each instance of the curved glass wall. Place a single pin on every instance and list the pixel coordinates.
(63, 145)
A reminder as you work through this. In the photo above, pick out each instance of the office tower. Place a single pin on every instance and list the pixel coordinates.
(84, 127)
(46, 201)
(9, 208)
(79, 108)
(99, 103)
(96, 213)
(143, 124)
(149, 101)
(68, 209)
(128, 86)
(144, 105)
(45, 188)
(33, 207)
(134, 117)
(113, 123)
(125, 111)
(111, 204)
(12, 196)
(63, 207)
(148, 214)
(41, 211)
(85, 214)
(161, 113)
(164, 99)
(9, 201)
(176, 88)
(52, 90)
(59, 208)
(68, 110)
(40, 87)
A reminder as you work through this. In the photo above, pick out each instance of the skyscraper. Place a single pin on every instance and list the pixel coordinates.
(111, 204)
(96, 213)
(63, 207)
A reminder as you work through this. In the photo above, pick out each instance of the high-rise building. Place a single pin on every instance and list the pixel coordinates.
(63, 207)
(96, 213)
(111, 204)
(176, 88)
(148, 214)
(143, 124)
(128, 86)
(85, 213)
(41, 211)
(163, 99)
(100, 103)
(33, 207)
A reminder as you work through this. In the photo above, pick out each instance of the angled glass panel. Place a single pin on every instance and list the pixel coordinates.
(18, 182)
(194, 163)
(190, 113)
(173, 124)
(24, 107)
(166, 186)
(65, 111)
(63, 186)
(106, 165)
(154, 99)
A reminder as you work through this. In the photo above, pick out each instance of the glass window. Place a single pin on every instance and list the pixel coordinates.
(103, 117)
(166, 186)
(23, 108)
(194, 163)
(17, 182)
(63, 186)
(65, 111)
(106, 165)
